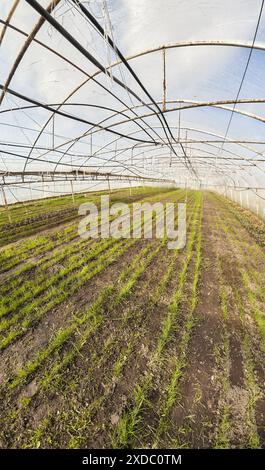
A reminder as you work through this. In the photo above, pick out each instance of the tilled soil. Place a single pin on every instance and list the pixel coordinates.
(171, 353)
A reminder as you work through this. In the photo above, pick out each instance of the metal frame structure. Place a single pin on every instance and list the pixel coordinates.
(142, 146)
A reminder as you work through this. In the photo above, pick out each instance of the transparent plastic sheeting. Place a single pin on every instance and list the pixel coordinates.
(167, 91)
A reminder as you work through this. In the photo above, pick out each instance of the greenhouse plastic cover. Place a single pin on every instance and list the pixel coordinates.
(186, 105)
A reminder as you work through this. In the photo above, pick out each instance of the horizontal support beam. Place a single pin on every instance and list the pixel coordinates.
(75, 175)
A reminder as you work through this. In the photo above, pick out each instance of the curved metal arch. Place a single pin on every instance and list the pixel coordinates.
(148, 51)
(239, 156)
(181, 44)
(216, 104)
(52, 5)
(198, 104)
(194, 105)
(201, 104)
(8, 19)
(199, 43)
(198, 130)
(209, 163)
(31, 38)
(214, 155)
(214, 134)
(230, 159)
(205, 132)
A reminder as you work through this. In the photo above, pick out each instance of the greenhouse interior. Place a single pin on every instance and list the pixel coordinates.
(109, 339)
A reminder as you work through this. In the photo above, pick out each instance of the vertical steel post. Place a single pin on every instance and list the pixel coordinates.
(72, 191)
(53, 132)
(164, 80)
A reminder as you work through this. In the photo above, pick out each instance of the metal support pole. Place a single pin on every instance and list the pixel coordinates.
(247, 199)
(179, 127)
(241, 202)
(164, 80)
(43, 194)
(109, 186)
(72, 190)
(53, 131)
(91, 145)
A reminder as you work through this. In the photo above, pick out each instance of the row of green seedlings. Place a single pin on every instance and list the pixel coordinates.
(172, 393)
(24, 209)
(111, 345)
(223, 364)
(222, 359)
(27, 230)
(33, 247)
(251, 384)
(252, 250)
(57, 291)
(15, 307)
(252, 223)
(13, 256)
(39, 268)
(223, 439)
(131, 419)
(71, 253)
(28, 245)
(137, 261)
(54, 255)
(42, 206)
(254, 391)
(63, 335)
(85, 419)
(15, 232)
(59, 257)
(90, 320)
(256, 297)
(100, 264)
(32, 222)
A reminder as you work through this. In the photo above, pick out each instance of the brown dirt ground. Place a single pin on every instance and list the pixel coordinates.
(213, 379)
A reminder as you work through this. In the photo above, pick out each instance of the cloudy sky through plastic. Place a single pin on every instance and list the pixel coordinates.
(193, 74)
